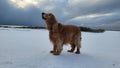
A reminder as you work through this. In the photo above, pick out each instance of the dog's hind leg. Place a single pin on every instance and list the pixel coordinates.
(72, 47)
(78, 44)
(78, 48)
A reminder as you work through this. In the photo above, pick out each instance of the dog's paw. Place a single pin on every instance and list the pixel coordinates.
(56, 53)
(51, 51)
(70, 51)
(77, 52)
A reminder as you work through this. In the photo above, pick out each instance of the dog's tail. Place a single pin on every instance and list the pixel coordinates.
(86, 29)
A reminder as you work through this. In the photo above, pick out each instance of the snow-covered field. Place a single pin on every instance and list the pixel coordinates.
(27, 48)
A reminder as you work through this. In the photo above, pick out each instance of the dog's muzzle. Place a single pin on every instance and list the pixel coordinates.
(43, 16)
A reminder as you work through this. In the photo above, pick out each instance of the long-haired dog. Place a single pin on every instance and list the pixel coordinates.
(60, 34)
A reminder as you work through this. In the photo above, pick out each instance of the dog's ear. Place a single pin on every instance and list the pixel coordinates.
(60, 27)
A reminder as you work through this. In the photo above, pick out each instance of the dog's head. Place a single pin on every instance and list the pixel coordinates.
(47, 16)
(49, 20)
(58, 27)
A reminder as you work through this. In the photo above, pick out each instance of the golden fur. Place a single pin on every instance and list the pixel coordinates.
(60, 34)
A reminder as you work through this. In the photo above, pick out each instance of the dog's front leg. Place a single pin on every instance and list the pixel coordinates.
(59, 48)
(54, 49)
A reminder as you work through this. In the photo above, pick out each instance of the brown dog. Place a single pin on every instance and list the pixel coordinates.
(60, 34)
(66, 34)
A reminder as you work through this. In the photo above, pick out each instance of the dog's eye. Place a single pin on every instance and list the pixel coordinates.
(49, 15)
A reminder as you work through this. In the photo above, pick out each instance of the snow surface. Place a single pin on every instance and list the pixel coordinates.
(29, 48)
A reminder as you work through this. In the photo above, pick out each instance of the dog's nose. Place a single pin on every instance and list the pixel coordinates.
(43, 16)
(43, 13)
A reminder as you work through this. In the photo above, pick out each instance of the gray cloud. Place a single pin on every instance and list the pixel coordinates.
(107, 22)
(66, 11)
(100, 7)
(90, 7)
(10, 15)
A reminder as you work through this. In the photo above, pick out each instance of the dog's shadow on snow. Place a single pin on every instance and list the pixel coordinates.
(64, 60)
(77, 58)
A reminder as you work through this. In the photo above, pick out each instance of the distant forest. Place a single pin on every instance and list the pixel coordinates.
(27, 27)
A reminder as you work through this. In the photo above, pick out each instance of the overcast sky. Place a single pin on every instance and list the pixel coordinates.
(78, 12)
